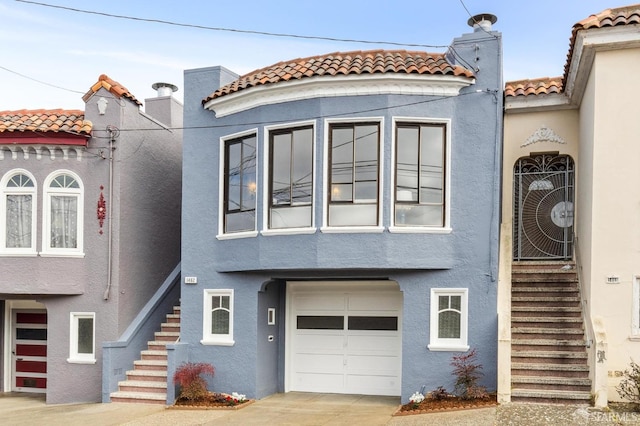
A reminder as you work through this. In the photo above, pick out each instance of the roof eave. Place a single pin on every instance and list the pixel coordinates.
(348, 85)
(544, 102)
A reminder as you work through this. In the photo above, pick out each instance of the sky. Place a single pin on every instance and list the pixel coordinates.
(50, 57)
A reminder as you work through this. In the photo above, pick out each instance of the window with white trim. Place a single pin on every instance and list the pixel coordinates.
(82, 338)
(218, 317)
(353, 174)
(240, 186)
(420, 174)
(449, 319)
(291, 178)
(18, 213)
(62, 214)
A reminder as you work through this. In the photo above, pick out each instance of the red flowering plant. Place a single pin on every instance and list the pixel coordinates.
(236, 398)
(189, 376)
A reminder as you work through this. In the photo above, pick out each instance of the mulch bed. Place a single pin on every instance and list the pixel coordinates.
(450, 403)
(213, 401)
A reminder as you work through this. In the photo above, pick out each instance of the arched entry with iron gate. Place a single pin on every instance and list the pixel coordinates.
(543, 207)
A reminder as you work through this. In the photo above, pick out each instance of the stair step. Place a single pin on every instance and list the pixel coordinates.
(548, 354)
(566, 309)
(577, 320)
(545, 289)
(153, 355)
(545, 299)
(546, 380)
(548, 330)
(549, 394)
(143, 386)
(139, 397)
(548, 342)
(167, 336)
(147, 375)
(549, 367)
(150, 364)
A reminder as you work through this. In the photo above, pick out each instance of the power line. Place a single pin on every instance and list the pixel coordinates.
(233, 30)
(40, 81)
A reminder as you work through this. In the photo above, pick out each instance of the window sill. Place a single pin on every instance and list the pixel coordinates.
(81, 361)
(61, 254)
(217, 342)
(249, 234)
(634, 338)
(289, 231)
(18, 254)
(447, 348)
(352, 229)
(419, 230)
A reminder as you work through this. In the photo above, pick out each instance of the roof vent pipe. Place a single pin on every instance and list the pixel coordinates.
(482, 22)
(164, 89)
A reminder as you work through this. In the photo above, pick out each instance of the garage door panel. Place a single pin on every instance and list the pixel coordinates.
(374, 345)
(320, 343)
(319, 363)
(379, 302)
(320, 302)
(373, 385)
(309, 382)
(372, 365)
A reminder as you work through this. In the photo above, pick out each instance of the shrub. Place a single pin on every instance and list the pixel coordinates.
(439, 394)
(188, 376)
(629, 387)
(468, 371)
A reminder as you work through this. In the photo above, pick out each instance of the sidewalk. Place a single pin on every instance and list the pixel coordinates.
(298, 409)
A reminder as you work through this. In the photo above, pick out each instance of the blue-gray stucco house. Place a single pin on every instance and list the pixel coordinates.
(340, 219)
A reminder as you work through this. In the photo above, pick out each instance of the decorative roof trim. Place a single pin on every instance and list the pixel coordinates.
(352, 85)
(543, 134)
(39, 150)
(115, 88)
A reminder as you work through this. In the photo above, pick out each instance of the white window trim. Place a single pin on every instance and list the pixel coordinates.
(265, 178)
(74, 356)
(221, 189)
(47, 192)
(452, 345)
(207, 337)
(635, 305)
(325, 181)
(446, 229)
(4, 250)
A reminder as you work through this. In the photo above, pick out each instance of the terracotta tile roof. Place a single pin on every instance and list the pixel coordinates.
(112, 86)
(345, 63)
(538, 86)
(626, 15)
(45, 120)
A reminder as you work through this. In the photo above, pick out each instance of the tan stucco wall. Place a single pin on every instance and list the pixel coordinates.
(610, 141)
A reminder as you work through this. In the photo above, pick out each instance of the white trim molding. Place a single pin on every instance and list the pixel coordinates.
(349, 85)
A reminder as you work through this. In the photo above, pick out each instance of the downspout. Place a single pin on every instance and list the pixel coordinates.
(114, 132)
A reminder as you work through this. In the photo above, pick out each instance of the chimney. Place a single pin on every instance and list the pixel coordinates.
(164, 107)
(482, 22)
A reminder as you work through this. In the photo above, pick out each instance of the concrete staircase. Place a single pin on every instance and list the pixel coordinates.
(147, 382)
(548, 351)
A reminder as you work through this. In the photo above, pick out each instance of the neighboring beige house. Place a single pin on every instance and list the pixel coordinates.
(569, 291)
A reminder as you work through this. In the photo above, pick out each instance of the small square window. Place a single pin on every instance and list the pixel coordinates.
(218, 317)
(82, 338)
(449, 319)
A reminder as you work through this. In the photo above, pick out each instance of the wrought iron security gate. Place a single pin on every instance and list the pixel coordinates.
(543, 207)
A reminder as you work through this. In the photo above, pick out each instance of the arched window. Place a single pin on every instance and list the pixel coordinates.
(18, 213)
(62, 214)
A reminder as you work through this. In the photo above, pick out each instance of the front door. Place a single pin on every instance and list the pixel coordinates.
(29, 350)
(543, 207)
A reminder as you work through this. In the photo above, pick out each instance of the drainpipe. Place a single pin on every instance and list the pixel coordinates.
(114, 132)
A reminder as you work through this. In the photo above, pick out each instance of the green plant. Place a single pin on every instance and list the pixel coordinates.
(189, 376)
(629, 387)
(468, 371)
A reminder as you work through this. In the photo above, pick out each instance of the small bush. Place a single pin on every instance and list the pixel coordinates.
(468, 371)
(629, 387)
(439, 393)
(188, 376)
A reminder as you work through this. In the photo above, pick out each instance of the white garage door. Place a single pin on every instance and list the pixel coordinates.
(344, 337)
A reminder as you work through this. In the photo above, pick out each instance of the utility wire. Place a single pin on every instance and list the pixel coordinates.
(40, 81)
(233, 30)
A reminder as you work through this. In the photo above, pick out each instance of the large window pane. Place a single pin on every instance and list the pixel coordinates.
(19, 221)
(291, 183)
(85, 335)
(240, 184)
(64, 221)
(354, 174)
(420, 175)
